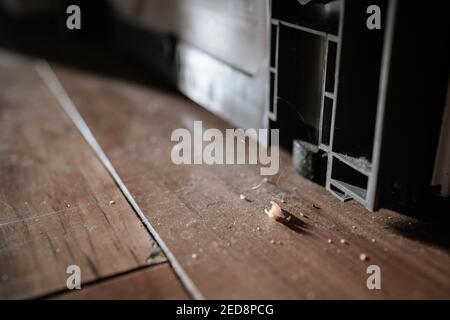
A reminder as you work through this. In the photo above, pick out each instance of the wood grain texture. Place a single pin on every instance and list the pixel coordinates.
(153, 283)
(55, 196)
(228, 247)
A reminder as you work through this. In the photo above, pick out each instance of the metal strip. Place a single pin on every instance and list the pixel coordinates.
(305, 29)
(384, 81)
(336, 91)
(50, 79)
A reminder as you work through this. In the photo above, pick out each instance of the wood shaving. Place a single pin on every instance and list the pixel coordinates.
(275, 211)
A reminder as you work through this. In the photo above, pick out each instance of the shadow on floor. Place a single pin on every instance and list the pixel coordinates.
(100, 47)
(432, 223)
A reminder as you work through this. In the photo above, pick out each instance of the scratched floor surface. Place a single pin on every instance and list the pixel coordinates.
(59, 206)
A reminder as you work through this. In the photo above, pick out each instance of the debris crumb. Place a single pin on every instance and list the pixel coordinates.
(275, 211)
(288, 219)
(330, 241)
(343, 241)
(353, 227)
(194, 256)
(258, 229)
(68, 205)
(272, 241)
(260, 184)
(243, 196)
(373, 240)
(112, 202)
(363, 257)
(257, 186)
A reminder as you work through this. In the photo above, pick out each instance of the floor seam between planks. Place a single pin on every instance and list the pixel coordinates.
(92, 283)
(51, 81)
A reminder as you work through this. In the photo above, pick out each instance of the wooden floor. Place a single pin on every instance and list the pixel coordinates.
(59, 206)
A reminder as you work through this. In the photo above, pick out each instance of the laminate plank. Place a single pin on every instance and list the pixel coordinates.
(58, 205)
(228, 247)
(153, 283)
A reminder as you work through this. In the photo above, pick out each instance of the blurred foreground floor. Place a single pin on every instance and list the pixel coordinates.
(59, 206)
